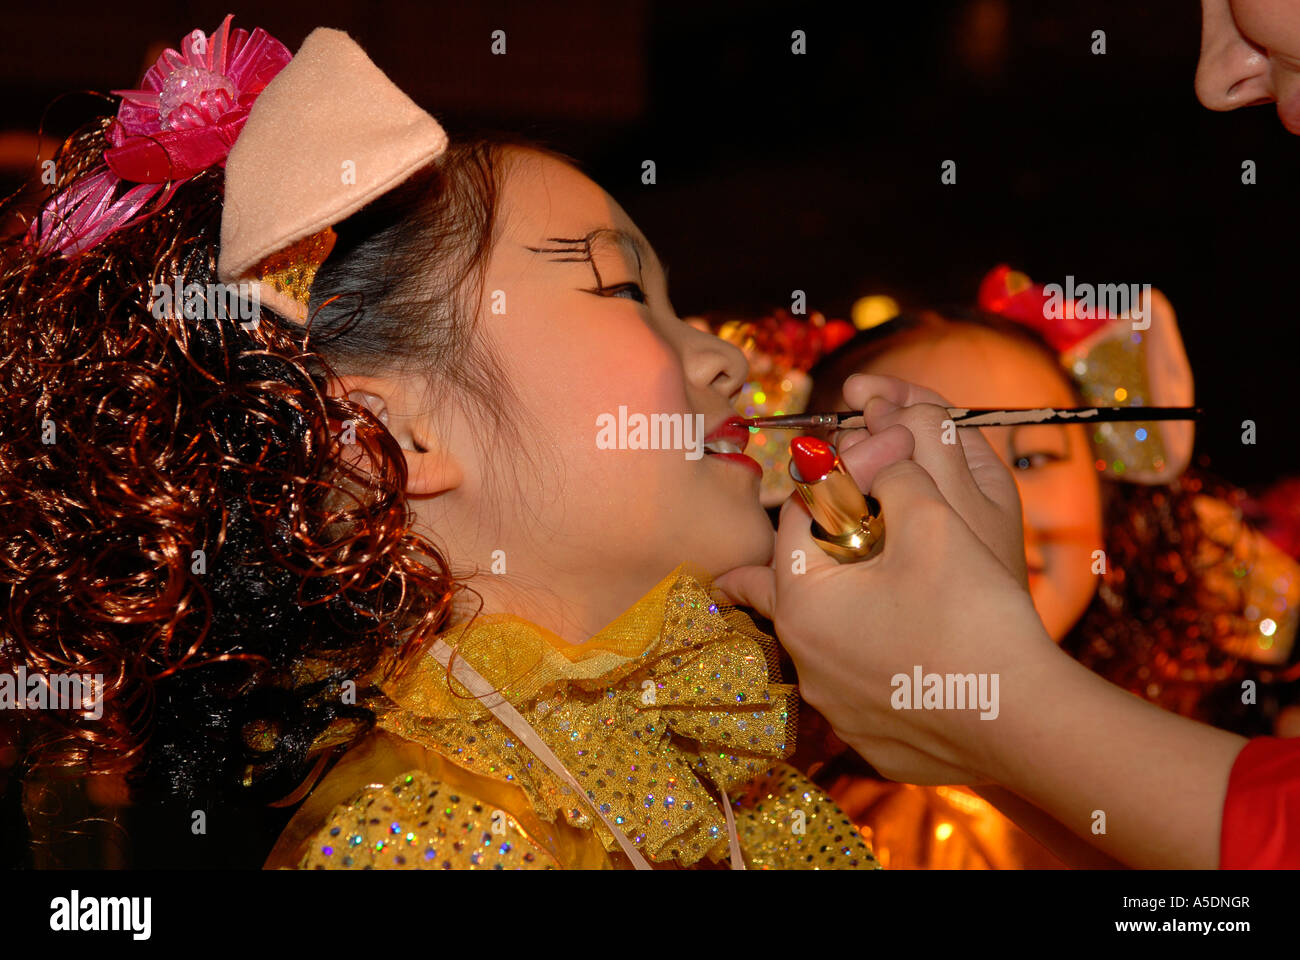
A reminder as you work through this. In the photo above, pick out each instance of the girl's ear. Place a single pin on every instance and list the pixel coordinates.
(1170, 376)
(431, 468)
(431, 471)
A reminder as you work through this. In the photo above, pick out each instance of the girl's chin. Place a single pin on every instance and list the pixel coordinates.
(745, 545)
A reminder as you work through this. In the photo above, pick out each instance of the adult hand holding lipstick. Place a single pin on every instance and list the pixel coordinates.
(949, 583)
(947, 595)
(967, 472)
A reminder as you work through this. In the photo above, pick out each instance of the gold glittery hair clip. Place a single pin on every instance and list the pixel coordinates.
(285, 277)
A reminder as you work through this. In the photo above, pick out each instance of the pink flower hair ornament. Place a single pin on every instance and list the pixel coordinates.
(187, 115)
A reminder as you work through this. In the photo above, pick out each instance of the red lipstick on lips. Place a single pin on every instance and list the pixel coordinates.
(846, 525)
(733, 432)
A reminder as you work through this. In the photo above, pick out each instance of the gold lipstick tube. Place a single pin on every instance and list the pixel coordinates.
(846, 524)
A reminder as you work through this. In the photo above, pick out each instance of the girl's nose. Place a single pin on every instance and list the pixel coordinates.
(713, 363)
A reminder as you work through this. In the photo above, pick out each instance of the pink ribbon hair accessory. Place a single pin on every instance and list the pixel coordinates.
(185, 118)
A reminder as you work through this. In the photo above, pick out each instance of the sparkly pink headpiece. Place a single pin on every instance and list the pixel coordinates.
(305, 141)
(187, 115)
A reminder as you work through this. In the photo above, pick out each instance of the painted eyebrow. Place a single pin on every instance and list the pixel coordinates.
(579, 248)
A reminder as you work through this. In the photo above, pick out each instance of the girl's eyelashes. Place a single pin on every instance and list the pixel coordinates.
(579, 250)
(631, 288)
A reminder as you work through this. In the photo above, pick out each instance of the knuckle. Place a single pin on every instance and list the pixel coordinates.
(925, 420)
(900, 473)
(861, 387)
(931, 515)
(896, 471)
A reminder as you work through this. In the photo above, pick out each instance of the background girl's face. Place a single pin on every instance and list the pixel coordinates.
(1053, 464)
(1250, 53)
(576, 313)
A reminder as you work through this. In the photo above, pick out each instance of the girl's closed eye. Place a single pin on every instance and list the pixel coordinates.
(632, 290)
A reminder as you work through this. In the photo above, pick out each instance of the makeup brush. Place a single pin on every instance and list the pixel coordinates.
(969, 417)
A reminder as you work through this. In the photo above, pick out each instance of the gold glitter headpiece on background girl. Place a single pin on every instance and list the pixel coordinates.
(1117, 360)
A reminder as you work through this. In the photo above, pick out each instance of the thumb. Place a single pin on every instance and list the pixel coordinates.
(753, 587)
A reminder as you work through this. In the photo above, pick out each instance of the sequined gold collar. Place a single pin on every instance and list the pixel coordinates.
(674, 699)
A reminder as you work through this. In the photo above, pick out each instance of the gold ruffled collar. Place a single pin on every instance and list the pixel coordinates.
(674, 699)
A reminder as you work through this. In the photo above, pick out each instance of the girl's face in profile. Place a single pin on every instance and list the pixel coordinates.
(1053, 464)
(576, 314)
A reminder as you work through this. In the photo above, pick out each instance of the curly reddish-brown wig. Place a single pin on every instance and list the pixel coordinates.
(1170, 611)
(176, 513)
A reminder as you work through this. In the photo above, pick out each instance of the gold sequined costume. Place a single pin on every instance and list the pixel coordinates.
(671, 707)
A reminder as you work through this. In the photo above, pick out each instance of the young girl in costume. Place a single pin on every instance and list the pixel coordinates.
(1139, 567)
(303, 455)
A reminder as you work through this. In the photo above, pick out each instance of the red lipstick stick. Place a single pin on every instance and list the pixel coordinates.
(846, 525)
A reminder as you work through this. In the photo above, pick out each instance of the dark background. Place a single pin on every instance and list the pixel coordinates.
(821, 172)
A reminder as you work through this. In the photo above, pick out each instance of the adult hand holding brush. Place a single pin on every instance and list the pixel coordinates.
(946, 597)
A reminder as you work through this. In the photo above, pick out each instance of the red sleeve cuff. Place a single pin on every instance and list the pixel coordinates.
(1261, 814)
